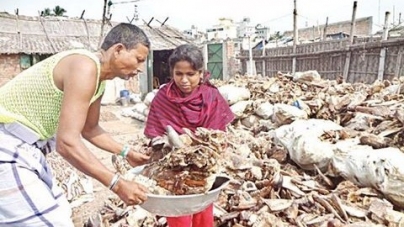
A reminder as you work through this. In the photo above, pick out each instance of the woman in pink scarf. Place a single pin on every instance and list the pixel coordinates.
(188, 101)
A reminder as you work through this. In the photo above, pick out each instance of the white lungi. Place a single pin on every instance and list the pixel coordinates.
(28, 194)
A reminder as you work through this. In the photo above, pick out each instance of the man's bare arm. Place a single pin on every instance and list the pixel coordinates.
(95, 134)
(78, 87)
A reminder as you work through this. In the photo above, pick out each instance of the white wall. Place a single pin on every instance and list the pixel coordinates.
(112, 91)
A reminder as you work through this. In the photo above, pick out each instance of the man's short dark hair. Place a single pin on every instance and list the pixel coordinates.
(128, 34)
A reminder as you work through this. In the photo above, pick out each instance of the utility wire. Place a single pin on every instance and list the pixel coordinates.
(277, 18)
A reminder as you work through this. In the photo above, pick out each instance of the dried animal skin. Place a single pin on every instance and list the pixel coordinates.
(320, 196)
(189, 168)
(278, 204)
(77, 187)
(184, 171)
(149, 183)
(374, 141)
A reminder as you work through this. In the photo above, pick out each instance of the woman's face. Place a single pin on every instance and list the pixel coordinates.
(186, 77)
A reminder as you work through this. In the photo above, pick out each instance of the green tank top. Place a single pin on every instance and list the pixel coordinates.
(33, 99)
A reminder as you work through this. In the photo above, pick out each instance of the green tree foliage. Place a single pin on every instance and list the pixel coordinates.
(57, 11)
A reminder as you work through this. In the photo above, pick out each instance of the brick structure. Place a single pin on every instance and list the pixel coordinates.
(363, 27)
(9, 67)
(233, 64)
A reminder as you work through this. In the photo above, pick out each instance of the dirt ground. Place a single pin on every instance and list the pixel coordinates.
(122, 129)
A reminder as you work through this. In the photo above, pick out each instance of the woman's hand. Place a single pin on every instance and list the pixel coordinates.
(137, 159)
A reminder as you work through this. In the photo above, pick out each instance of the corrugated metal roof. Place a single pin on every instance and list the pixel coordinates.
(49, 35)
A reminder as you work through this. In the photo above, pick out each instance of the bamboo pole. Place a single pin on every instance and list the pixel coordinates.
(382, 60)
(104, 11)
(295, 36)
(250, 55)
(263, 55)
(398, 64)
(325, 29)
(351, 37)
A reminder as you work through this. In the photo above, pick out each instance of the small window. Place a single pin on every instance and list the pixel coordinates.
(25, 61)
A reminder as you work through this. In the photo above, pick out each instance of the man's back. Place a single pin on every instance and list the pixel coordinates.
(32, 98)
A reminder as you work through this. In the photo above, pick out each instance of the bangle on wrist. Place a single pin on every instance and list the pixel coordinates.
(114, 181)
(125, 151)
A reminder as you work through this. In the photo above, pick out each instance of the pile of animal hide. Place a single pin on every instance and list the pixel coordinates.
(77, 186)
(302, 152)
(188, 164)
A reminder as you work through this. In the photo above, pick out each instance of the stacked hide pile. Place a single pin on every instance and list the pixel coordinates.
(302, 151)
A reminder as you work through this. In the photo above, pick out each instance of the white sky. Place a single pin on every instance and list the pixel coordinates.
(205, 13)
